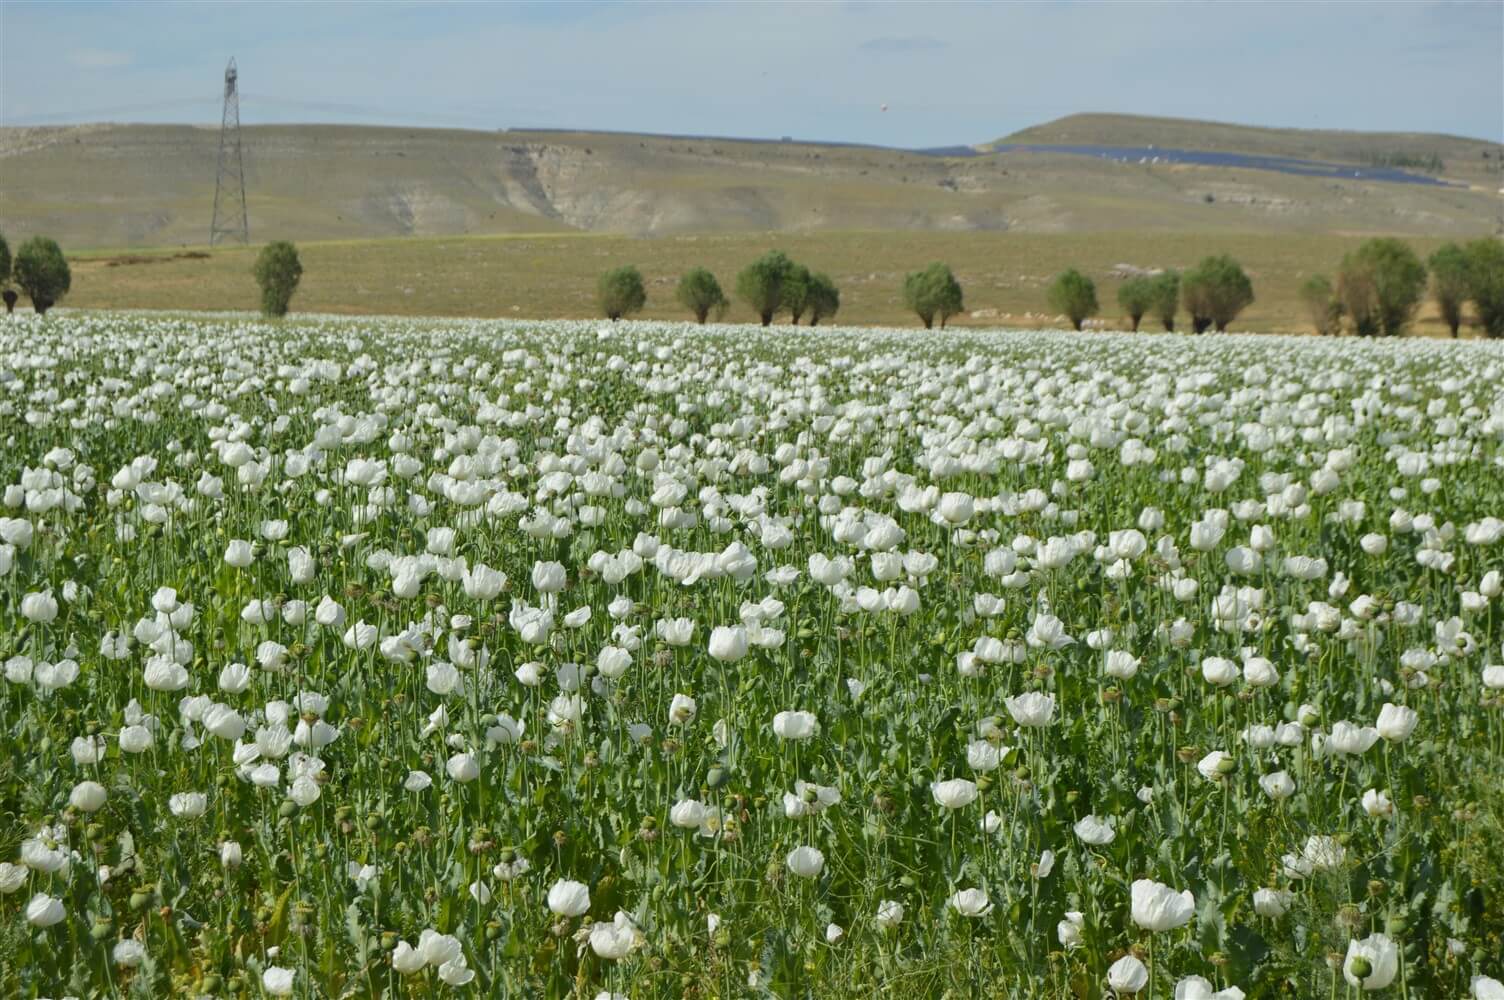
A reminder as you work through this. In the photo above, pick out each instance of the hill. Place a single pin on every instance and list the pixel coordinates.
(133, 186)
(1468, 161)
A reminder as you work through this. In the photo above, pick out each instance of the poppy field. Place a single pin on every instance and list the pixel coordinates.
(413, 658)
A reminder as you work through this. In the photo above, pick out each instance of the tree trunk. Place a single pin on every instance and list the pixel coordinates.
(1135, 322)
(10, 300)
(767, 318)
(41, 305)
(700, 315)
(1076, 323)
(1221, 326)
(814, 319)
(929, 322)
(1169, 324)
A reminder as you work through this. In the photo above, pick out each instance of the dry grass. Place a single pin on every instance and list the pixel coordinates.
(553, 275)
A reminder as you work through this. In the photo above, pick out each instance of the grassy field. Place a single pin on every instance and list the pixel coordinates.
(553, 275)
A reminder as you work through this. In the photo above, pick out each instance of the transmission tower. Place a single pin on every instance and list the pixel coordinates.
(229, 182)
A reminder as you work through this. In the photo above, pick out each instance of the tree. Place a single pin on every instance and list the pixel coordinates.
(1485, 280)
(796, 291)
(933, 292)
(10, 296)
(1166, 298)
(1136, 296)
(1449, 283)
(760, 284)
(1214, 292)
(42, 272)
(1074, 294)
(278, 272)
(824, 298)
(701, 294)
(1322, 304)
(1358, 295)
(1394, 278)
(620, 292)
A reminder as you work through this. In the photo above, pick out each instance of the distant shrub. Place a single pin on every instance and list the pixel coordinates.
(1357, 292)
(1322, 305)
(621, 292)
(1073, 294)
(278, 271)
(1485, 281)
(701, 294)
(1136, 296)
(1449, 283)
(10, 296)
(933, 293)
(760, 284)
(796, 291)
(41, 271)
(1214, 292)
(1166, 299)
(1381, 285)
(824, 298)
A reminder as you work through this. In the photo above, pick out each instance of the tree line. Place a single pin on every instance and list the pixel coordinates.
(1381, 285)
(1378, 289)
(771, 284)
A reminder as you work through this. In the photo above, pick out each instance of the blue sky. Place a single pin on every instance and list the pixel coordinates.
(949, 73)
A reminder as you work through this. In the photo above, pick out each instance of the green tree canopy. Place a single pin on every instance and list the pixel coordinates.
(621, 292)
(1073, 294)
(796, 291)
(933, 292)
(1358, 297)
(1384, 284)
(1137, 297)
(8, 293)
(1166, 288)
(278, 272)
(701, 294)
(41, 271)
(1322, 304)
(760, 284)
(824, 298)
(1449, 283)
(1214, 292)
(1485, 279)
